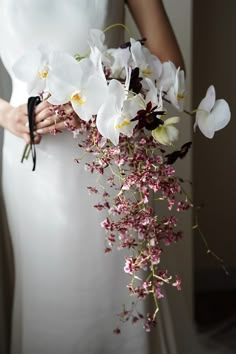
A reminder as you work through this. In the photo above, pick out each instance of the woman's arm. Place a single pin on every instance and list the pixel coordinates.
(154, 25)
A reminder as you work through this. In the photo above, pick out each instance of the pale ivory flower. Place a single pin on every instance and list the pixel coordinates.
(96, 43)
(167, 133)
(120, 59)
(212, 114)
(172, 82)
(97, 39)
(34, 69)
(114, 116)
(176, 93)
(114, 59)
(149, 65)
(96, 58)
(78, 83)
(167, 77)
(153, 95)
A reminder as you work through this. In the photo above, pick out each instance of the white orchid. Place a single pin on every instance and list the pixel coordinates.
(172, 82)
(120, 60)
(96, 58)
(78, 83)
(97, 45)
(167, 133)
(176, 93)
(97, 39)
(212, 115)
(34, 69)
(167, 78)
(153, 95)
(114, 116)
(149, 65)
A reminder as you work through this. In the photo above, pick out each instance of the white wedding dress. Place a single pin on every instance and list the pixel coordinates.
(67, 291)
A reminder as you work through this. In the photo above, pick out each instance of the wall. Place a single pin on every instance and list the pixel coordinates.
(214, 58)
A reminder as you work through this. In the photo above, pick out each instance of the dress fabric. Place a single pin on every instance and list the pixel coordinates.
(67, 291)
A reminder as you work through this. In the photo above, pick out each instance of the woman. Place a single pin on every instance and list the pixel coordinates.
(66, 289)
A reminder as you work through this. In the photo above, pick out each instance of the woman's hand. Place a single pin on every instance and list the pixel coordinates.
(46, 119)
(16, 121)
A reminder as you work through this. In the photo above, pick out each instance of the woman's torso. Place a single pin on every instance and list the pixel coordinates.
(61, 24)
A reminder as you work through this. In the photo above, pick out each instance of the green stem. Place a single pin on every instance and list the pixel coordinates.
(26, 153)
(118, 25)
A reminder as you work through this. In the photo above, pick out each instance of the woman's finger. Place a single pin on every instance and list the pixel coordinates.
(41, 106)
(50, 128)
(44, 114)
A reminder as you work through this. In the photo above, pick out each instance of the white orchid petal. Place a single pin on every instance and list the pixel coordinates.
(114, 136)
(87, 68)
(117, 90)
(96, 91)
(157, 66)
(181, 81)
(106, 120)
(36, 86)
(172, 120)
(82, 110)
(172, 97)
(65, 67)
(56, 101)
(137, 53)
(205, 123)
(152, 95)
(167, 78)
(97, 39)
(208, 101)
(60, 91)
(96, 58)
(221, 114)
(132, 106)
(26, 68)
(120, 58)
(128, 71)
(160, 135)
(106, 113)
(172, 133)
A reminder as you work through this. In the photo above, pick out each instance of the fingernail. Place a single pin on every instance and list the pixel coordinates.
(39, 131)
(27, 124)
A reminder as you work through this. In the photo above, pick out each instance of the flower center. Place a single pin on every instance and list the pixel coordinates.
(124, 123)
(43, 72)
(77, 99)
(147, 72)
(180, 96)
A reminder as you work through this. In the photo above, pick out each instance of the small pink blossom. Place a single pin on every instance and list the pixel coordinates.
(177, 283)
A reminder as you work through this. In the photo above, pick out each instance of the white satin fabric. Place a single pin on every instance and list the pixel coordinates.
(67, 289)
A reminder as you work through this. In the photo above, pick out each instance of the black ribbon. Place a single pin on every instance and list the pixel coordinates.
(32, 103)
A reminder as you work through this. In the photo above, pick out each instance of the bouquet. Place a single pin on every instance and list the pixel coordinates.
(122, 97)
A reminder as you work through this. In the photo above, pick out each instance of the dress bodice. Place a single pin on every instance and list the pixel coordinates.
(60, 24)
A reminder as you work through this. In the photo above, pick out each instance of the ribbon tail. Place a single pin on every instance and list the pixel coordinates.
(32, 103)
